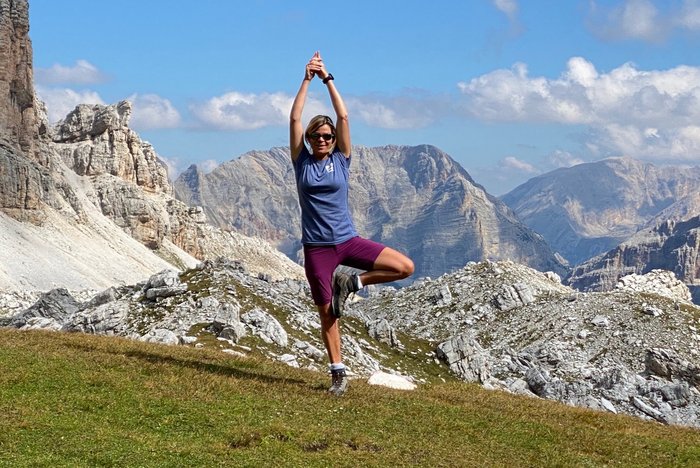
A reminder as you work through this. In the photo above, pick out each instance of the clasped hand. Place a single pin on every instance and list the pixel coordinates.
(316, 67)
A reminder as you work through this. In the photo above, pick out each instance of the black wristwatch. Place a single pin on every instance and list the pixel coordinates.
(328, 78)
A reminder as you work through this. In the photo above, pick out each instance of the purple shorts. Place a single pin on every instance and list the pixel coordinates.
(320, 261)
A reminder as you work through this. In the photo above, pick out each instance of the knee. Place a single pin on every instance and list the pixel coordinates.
(407, 268)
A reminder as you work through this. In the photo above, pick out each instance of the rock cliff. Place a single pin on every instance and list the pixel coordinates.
(415, 199)
(672, 246)
(18, 117)
(87, 203)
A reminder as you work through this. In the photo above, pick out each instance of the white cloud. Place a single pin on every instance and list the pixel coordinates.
(239, 111)
(644, 20)
(60, 101)
(399, 112)
(635, 112)
(152, 111)
(511, 162)
(82, 73)
(583, 96)
(673, 144)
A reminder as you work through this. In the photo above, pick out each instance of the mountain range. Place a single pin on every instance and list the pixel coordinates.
(416, 199)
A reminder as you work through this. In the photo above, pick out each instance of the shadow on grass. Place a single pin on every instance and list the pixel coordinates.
(213, 368)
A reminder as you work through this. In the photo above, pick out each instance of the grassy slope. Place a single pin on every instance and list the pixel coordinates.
(78, 400)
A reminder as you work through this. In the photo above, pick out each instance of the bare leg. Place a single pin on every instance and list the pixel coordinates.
(391, 265)
(330, 332)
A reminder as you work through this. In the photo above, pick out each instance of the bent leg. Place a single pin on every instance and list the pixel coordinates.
(390, 265)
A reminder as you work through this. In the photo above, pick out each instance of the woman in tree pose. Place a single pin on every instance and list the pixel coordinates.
(328, 234)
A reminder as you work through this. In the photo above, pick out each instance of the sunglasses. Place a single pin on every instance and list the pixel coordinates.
(326, 136)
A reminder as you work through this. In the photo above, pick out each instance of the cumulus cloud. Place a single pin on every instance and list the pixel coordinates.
(60, 101)
(239, 111)
(82, 73)
(644, 20)
(635, 112)
(406, 111)
(670, 144)
(151, 111)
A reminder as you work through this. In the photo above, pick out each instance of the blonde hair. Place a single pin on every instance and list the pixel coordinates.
(318, 122)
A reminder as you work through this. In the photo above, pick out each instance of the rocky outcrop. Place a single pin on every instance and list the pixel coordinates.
(588, 209)
(672, 246)
(96, 140)
(124, 177)
(415, 199)
(19, 125)
(629, 351)
(222, 305)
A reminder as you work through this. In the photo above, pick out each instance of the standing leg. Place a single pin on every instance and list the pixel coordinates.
(330, 332)
(320, 262)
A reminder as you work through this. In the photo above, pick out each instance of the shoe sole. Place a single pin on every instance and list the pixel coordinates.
(335, 308)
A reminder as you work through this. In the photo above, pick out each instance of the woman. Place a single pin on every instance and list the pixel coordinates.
(328, 234)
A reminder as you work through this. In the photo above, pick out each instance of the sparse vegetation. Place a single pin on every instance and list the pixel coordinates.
(82, 400)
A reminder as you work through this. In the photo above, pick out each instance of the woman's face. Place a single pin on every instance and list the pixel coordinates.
(322, 140)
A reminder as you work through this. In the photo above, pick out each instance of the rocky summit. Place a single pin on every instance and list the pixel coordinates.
(633, 350)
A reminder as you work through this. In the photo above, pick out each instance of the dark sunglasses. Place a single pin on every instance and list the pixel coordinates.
(326, 136)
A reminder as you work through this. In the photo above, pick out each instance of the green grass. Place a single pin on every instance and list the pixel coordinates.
(80, 400)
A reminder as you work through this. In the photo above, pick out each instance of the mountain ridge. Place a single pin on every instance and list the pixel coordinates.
(413, 198)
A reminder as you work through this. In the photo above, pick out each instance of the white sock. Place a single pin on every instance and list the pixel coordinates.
(358, 282)
(337, 366)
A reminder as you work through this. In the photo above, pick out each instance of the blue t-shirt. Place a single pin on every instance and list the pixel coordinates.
(323, 196)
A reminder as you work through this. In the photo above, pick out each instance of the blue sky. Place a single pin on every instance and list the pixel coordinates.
(508, 88)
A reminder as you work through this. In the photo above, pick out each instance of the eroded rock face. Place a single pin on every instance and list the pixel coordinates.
(672, 246)
(95, 140)
(18, 120)
(69, 193)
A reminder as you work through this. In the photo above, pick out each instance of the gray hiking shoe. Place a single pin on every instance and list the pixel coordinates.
(343, 285)
(339, 382)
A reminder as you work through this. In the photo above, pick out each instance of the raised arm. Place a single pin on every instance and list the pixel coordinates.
(296, 129)
(342, 124)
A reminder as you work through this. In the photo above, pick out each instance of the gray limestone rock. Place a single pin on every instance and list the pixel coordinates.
(57, 304)
(266, 327)
(466, 358)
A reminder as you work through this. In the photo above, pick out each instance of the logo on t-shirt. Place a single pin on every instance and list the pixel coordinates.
(329, 167)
